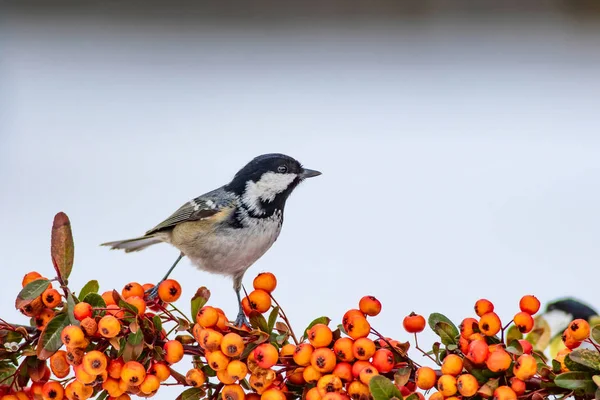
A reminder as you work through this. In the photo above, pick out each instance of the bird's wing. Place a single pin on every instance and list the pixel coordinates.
(201, 207)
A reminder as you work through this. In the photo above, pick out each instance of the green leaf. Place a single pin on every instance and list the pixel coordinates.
(157, 323)
(596, 334)
(402, 375)
(320, 320)
(257, 321)
(412, 396)
(383, 389)
(134, 346)
(128, 306)
(199, 300)
(6, 371)
(596, 379)
(540, 336)
(191, 394)
(102, 395)
(90, 287)
(435, 350)
(513, 333)
(272, 319)
(583, 360)
(514, 347)
(31, 291)
(445, 332)
(435, 318)
(95, 300)
(576, 380)
(70, 310)
(49, 341)
(61, 245)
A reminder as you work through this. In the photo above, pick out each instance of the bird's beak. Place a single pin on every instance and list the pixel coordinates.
(309, 173)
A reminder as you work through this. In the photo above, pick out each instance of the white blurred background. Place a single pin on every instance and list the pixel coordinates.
(459, 147)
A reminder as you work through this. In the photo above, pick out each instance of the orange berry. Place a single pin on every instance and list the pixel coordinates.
(30, 277)
(74, 355)
(94, 362)
(319, 335)
(313, 394)
(82, 376)
(207, 317)
(414, 323)
(366, 374)
(358, 327)
(79, 391)
(195, 377)
(569, 340)
(529, 304)
(369, 305)
(349, 315)
(329, 384)
(33, 308)
(169, 290)
(265, 281)
(579, 329)
(139, 303)
(517, 385)
(489, 324)
(498, 360)
(463, 344)
(259, 301)
(286, 354)
(358, 366)
(150, 384)
(72, 336)
(303, 353)
(252, 396)
(425, 378)
(237, 369)
(523, 321)
(232, 345)
(363, 349)
(42, 319)
(467, 385)
(504, 393)
(452, 365)
(478, 351)
(311, 374)
(358, 390)
(51, 298)
(323, 359)
(114, 368)
(483, 307)
(525, 367)
(295, 376)
(272, 394)
(161, 370)
(109, 326)
(108, 298)
(266, 355)
(82, 311)
(344, 371)
(246, 306)
(132, 289)
(59, 365)
(133, 373)
(447, 385)
(468, 326)
(233, 392)
(210, 339)
(52, 390)
(383, 360)
(111, 385)
(115, 311)
(173, 351)
(217, 360)
(224, 377)
(343, 349)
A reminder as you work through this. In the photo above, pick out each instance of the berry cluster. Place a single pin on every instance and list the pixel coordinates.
(119, 344)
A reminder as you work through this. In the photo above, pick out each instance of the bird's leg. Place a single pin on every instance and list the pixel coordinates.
(241, 317)
(153, 292)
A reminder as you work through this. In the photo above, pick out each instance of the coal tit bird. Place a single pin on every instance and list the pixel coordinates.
(225, 231)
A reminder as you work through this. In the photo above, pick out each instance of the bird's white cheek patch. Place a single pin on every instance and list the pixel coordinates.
(267, 188)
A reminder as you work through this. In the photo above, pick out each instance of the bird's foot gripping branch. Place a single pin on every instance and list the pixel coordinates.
(81, 344)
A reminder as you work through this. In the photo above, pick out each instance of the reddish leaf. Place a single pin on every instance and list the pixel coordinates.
(61, 246)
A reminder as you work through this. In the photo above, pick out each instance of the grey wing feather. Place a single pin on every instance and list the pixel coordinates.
(196, 209)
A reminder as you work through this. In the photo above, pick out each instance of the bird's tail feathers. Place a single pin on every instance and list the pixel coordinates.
(135, 244)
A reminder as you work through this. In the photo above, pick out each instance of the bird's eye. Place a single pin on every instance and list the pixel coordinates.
(282, 169)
